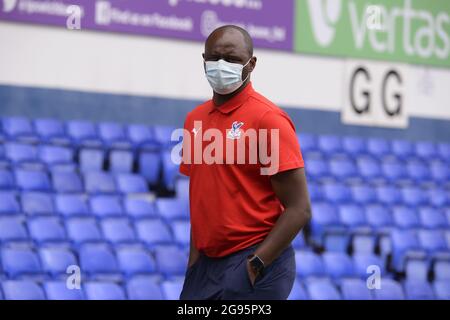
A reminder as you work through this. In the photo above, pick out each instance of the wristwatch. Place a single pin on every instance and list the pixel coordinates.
(256, 263)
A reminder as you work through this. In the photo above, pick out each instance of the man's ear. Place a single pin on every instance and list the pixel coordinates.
(252, 63)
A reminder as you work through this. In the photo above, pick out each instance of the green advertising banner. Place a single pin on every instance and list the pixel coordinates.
(412, 31)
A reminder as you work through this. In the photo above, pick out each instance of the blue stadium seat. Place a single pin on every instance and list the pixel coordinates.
(12, 229)
(439, 198)
(299, 241)
(51, 130)
(121, 161)
(425, 149)
(309, 264)
(432, 218)
(134, 261)
(368, 168)
(388, 194)
(441, 270)
(338, 265)
(162, 135)
(172, 289)
(403, 149)
(169, 170)
(66, 182)
(37, 203)
(143, 288)
(71, 204)
(329, 144)
(18, 152)
(46, 229)
(31, 180)
(418, 290)
(153, 231)
(418, 170)
(149, 166)
(83, 133)
(362, 194)
(342, 168)
(405, 245)
(314, 189)
(19, 128)
(8, 203)
(172, 208)
(378, 217)
(417, 269)
(322, 289)
(298, 292)
(99, 182)
(413, 196)
(104, 291)
(443, 150)
(316, 168)
(307, 141)
(182, 189)
(362, 261)
(113, 135)
(55, 155)
(83, 230)
(352, 216)
(324, 218)
(22, 290)
(181, 232)
(442, 289)
(405, 218)
(56, 260)
(171, 260)
(6, 180)
(390, 290)
(353, 145)
(378, 147)
(439, 171)
(131, 183)
(118, 230)
(20, 261)
(393, 170)
(336, 192)
(57, 290)
(141, 135)
(97, 259)
(433, 241)
(355, 289)
(91, 160)
(139, 208)
(105, 206)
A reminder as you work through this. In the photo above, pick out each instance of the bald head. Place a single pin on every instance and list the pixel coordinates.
(231, 35)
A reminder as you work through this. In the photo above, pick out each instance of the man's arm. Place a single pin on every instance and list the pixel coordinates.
(290, 187)
(193, 253)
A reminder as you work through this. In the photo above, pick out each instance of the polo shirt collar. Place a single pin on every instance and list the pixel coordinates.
(235, 102)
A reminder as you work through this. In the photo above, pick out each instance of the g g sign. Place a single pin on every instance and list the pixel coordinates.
(375, 94)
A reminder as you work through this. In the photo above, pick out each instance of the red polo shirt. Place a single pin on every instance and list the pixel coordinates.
(232, 204)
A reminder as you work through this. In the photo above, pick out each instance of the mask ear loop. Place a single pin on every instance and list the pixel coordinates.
(248, 75)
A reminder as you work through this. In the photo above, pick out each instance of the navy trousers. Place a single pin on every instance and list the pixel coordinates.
(227, 278)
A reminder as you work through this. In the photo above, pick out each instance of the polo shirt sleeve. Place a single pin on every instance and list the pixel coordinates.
(289, 154)
(185, 168)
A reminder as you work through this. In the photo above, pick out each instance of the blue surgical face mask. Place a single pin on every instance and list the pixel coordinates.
(224, 77)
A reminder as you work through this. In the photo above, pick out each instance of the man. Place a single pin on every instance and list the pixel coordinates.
(242, 219)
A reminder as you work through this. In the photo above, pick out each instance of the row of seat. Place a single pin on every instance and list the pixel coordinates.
(73, 204)
(94, 261)
(356, 289)
(385, 194)
(137, 288)
(44, 230)
(375, 146)
(80, 132)
(367, 168)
